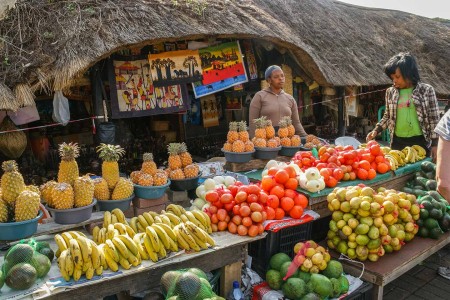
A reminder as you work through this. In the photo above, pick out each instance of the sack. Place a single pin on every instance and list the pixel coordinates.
(106, 133)
(61, 112)
(24, 115)
(12, 144)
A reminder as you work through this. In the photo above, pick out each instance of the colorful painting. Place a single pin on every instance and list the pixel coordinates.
(210, 112)
(133, 93)
(251, 60)
(175, 67)
(222, 67)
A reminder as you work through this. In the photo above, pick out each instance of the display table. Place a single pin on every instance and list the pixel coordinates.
(393, 265)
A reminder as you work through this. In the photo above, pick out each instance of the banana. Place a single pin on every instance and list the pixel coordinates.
(102, 236)
(111, 250)
(163, 237)
(120, 246)
(99, 271)
(75, 251)
(86, 265)
(90, 273)
(194, 220)
(95, 255)
(420, 151)
(59, 240)
(106, 219)
(184, 218)
(68, 263)
(140, 228)
(133, 224)
(165, 220)
(102, 256)
(169, 231)
(112, 264)
(188, 238)
(124, 263)
(200, 240)
(157, 219)
(149, 248)
(62, 265)
(153, 213)
(74, 234)
(57, 253)
(114, 219)
(174, 220)
(129, 243)
(173, 245)
(415, 154)
(208, 238)
(119, 215)
(109, 232)
(181, 241)
(151, 233)
(201, 217)
(121, 228)
(134, 260)
(129, 231)
(139, 241)
(67, 237)
(77, 274)
(175, 209)
(162, 252)
(148, 217)
(142, 221)
(85, 247)
(95, 233)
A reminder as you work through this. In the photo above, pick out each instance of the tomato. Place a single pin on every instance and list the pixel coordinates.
(212, 196)
(331, 151)
(306, 161)
(355, 165)
(253, 189)
(273, 201)
(243, 188)
(229, 206)
(322, 150)
(226, 198)
(281, 176)
(369, 157)
(364, 164)
(290, 193)
(338, 174)
(341, 159)
(375, 149)
(332, 165)
(333, 159)
(252, 198)
(240, 197)
(236, 209)
(321, 165)
(331, 182)
(362, 173)
(324, 157)
(270, 213)
(349, 148)
(233, 189)
(339, 148)
(326, 173)
(262, 198)
(267, 183)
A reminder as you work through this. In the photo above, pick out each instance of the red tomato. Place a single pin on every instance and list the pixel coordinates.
(306, 161)
(325, 172)
(273, 201)
(263, 197)
(362, 173)
(253, 189)
(321, 165)
(252, 198)
(240, 197)
(364, 164)
(211, 196)
(229, 206)
(348, 148)
(375, 149)
(324, 157)
(331, 182)
(338, 174)
(226, 198)
(233, 189)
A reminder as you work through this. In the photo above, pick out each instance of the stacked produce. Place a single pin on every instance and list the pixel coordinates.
(327, 282)
(286, 133)
(180, 162)
(24, 263)
(238, 139)
(190, 284)
(149, 175)
(111, 185)
(366, 224)
(265, 134)
(18, 202)
(312, 141)
(407, 155)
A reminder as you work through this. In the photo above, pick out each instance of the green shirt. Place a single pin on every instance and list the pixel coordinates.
(406, 123)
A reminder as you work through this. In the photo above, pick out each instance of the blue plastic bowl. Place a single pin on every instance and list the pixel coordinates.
(72, 215)
(109, 205)
(19, 230)
(150, 192)
(184, 184)
(289, 151)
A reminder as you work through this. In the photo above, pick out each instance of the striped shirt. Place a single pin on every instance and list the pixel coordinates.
(426, 104)
(443, 127)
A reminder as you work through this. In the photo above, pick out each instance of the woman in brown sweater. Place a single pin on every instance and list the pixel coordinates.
(274, 103)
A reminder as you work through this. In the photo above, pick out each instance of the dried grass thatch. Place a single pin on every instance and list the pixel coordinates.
(48, 43)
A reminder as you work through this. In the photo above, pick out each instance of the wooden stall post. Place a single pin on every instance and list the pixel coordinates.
(230, 273)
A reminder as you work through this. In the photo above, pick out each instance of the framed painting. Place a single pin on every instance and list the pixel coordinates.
(210, 112)
(134, 95)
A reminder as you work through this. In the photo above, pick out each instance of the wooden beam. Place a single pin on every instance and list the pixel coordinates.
(230, 273)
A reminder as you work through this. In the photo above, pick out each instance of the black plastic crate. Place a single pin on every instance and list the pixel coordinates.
(320, 229)
(364, 292)
(283, 240)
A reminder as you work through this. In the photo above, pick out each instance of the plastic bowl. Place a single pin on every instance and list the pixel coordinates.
(18, 230)
(289, 151)
(72, 215)
(109, 205)
(266, 152)
(238, 157)
(150, 192)
(184, 184)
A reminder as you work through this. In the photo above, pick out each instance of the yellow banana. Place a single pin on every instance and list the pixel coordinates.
(57, 253)
(199, 237)
(59, 240)
(165, 220)
(169, 231)
(142, 221)
(74, 234)
(184, 218)
(174, 209)
(77, 274)
(140, 227)
(162, 252)
(62, 265)
(99, 271)
(153, 213)
(151, 233)
(129, 230)
(148, 217)
(106, 219)
(112, 264)
(89, 273)
(114, 219)
(173, 245)
(174, 220)
(67, 237)
(134, 260)
(149, 248)
(102, 256)
(69, 266)
(86, 265)
(208, 238)
(181, 241)
(138, 240)
(124, 263)
(192, 218)
(95, 233)
(188, 238)
(157, 219)
(133, 224)
(102, 235)
(111, 250)
(163, 237)
(129, 243)
(120, 227)
(200, 217)
(119, 215)
(75, 251)
(120, 246)
(85, 247)
(95, 255)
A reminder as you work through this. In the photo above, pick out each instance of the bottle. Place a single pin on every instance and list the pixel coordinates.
(235, 293)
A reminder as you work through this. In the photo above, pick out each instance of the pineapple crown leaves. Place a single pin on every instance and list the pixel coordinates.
(183, 148)
(147, 156)
(242, 126)
(62, 186)
(108, 152)
(173, 148)
(69, 151)
(9, 166)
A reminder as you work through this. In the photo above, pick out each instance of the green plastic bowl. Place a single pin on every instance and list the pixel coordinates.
(150, 192)
(18, 230)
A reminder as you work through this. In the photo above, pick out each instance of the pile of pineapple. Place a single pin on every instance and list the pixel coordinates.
(18, 202)
(313, 142)
(286, 132)
(238, 139)
(180, 162)
(149, 175)
(265, 134)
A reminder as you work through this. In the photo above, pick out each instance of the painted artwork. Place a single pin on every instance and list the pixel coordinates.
(251, 60)
(133, 93)
(175, 67)
(210, 112)
(222, 67)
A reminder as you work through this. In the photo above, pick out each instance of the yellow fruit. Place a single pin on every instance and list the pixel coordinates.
(232, 134)
(124, 189)
(270, 131)
(12, 182)
(4, 211)
(26, 206)
(185, 156)
(191, 171)
(260, 131)
(286, 142)
(177, 174)
(84, 191)
(101, 190)
(243, 133)
(174, 158)
(228, 147)
(68, 168)
(160, 178)
(145, 180)
(46, 191)
(62, 196)
(296, 140)
(110, 154)
(148, 166)
(283, 131)
(238, 146)
(249, 147)
(272, 143)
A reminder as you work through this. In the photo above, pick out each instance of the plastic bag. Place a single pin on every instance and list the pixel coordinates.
(61, 112)
(106, 133)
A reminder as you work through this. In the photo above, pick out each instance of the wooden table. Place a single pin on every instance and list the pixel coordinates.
(393, 265)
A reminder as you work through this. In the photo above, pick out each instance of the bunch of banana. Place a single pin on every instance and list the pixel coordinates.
(422, 153)
(392, 161)
(190, 236)
(79, 256)
(155, 242)
(399, 156)
(113, 217)
(198, 217)
(100, 235)
(385, 149)
(411, 155)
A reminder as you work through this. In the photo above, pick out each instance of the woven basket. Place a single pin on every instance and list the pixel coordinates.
(12, 144)
(287, 79)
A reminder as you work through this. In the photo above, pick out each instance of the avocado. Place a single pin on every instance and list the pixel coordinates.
(423, 232)
(2, 279)
(424, 214)
(408, 190)
(436, 233)
(436, 214)
(21, 277)
(431, 185)
(47, 252)
(426, 204)
(420, 181)
(427, 166)
(431, 223)
(187, 286)
(41, 263)
(444, 223)
(20, 253)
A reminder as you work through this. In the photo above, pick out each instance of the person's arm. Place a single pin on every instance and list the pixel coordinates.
(254, 113)
(442, 167)
(296, 120)
(383, 123)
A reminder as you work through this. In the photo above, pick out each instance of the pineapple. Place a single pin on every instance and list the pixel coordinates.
(243, 133)
(260, 131)
(191, 171)
(84, 188)
(160, 178)
(148, 166)
(27, 206)
(238, 146)
(232, 134)
(12, 182)
(286, 142)
(228, 147)
(176, 174)
(174, 158)
(249, 147)
(186, 158)
(68, 167)
(62, 196)
(272, 143)
(290, 127)
(135, 175)
(277, 138)
(296, 140)
(101, 190)
(110, 154)
(310, 138)
(123, 189)
(4, 211)
(260, 142)
(46, 191)
(283, 131)
(270, 131)
(33, 188)
(145, 180)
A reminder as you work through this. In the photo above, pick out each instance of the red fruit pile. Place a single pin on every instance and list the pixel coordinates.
(242, 208)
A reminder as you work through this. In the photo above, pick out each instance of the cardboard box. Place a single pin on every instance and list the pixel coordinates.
(129, 213)
(155, 208)
(177, 196)
(143, 203)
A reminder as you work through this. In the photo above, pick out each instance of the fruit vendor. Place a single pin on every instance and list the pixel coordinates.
(411, 107)
(274, 103)
(442, 161)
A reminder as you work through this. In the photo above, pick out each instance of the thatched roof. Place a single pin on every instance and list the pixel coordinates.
(48, 43)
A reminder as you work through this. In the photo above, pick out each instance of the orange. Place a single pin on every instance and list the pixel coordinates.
(364, 164)
(270, 213)
(277, 191)
(362, 173)
(287, 203)
(371, 174)
(301, 200)
(281, 176)
(296, 212)
(291, 183)
(383, 168)
(279, 213)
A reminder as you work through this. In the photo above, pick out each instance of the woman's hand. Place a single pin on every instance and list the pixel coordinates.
(433, 153)
(372, 135)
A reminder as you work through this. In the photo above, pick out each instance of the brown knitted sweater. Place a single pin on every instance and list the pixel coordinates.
(274, 107)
